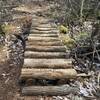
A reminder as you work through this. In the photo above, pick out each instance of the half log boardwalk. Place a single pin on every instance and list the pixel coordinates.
(46, 60)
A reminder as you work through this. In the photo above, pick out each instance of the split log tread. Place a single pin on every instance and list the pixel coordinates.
(48, 73)
(46, 48)
(47, 63)
(49, 90)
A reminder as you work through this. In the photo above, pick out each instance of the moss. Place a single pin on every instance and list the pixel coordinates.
(81, 36)
(68, 41)
(63, 29)
(8, 29)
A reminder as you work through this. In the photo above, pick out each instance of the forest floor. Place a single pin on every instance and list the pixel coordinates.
(9, 89)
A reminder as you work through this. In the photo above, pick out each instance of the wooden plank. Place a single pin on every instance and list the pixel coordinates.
(43, 32)
(45, 29)
(50, 90)
(46, 39)
(46, 48)
(48, 73)
(32, 54)
(48, 25)
(43, 35)
(42, 43)
(47, 63)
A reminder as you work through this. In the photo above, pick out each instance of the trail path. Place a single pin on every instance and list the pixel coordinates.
(45, 59)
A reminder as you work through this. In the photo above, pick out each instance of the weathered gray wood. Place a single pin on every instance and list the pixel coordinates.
(48, 73)
(46, 48)
(45, 29)
(32, 54)
(44, 35)
(43, 32)
(49, 90)
(41, 20)
(48, 25)
(42, 43)
(46, 39)
(47, 63)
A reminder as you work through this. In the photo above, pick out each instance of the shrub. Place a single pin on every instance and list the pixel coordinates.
(63, 29)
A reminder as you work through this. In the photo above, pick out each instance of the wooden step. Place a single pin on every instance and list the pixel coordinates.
(41, 20)
(43, 35)
(45, 39)
(44, 25)
(44, 32)
(48, 25)
(50, 90)
(42, 43)
(32, 54)
(46, 48)
(47, 63)
(44, 29)
(52, 74)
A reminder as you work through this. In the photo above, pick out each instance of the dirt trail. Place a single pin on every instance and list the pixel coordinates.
(43, 32)
(48, 63)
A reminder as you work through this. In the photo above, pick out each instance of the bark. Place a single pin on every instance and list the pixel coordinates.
(46, 48)
(48, 25)
(42, 43)
(44, 32)
(49, 90)
(48, 73)
(47, 63)
(32, 54)
(44, 35)
(45, 29)
(46, 39)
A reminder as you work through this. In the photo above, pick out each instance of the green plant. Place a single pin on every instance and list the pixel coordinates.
(68, 41)
(63, 29)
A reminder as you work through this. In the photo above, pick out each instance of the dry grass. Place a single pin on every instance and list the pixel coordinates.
(16, 26)
(23, 8)
(10, 28)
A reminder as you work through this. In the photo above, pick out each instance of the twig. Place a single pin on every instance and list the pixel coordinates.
(90, 53)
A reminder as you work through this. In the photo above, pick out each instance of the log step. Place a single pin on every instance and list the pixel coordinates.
(46, 39)
(46, 48)
(44, 25)
(42, 43)
(47, 63)
(43, 32)
(41, 20)
(32, 54)
(49, 90)
(44, 29)
(44, 35)
(51, 74)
